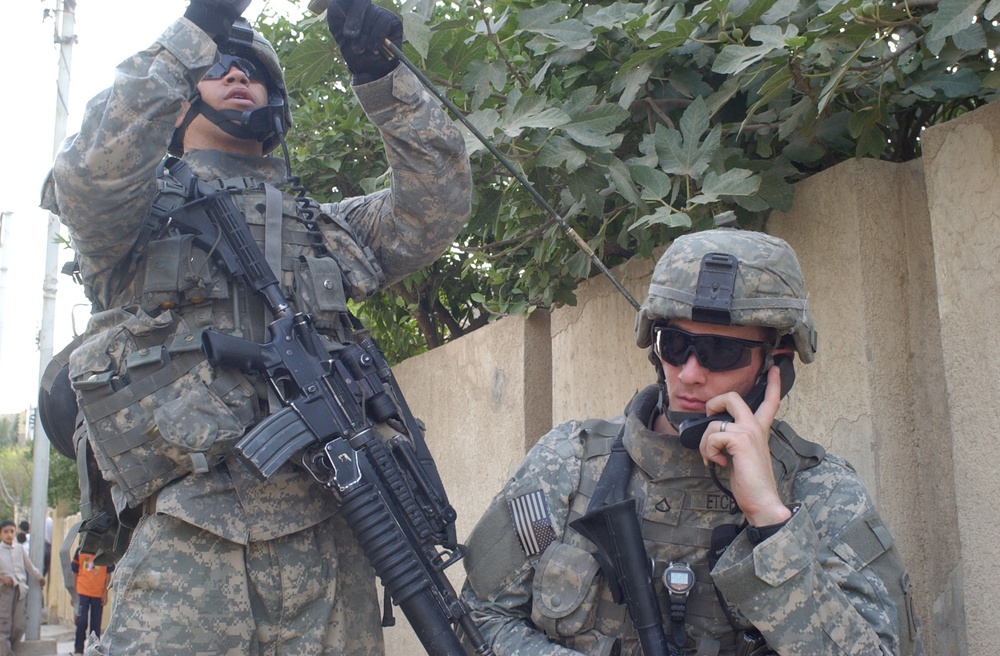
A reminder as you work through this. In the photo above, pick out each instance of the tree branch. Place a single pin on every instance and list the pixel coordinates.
(496, 44)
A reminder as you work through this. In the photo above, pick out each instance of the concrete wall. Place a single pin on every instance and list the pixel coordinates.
(862, 234)
(901, 261)
(484, 399)
(961, 168)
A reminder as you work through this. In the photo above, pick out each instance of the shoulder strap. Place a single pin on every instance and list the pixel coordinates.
(794, 452)
(171, 191)
(614, 478)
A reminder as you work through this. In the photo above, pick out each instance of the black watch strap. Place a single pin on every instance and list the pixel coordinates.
(757, 534)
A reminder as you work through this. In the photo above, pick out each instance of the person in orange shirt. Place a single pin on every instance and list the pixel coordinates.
(92, 583)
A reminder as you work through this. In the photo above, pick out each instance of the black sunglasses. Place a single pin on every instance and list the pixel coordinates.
(714, 352)
(226, 62)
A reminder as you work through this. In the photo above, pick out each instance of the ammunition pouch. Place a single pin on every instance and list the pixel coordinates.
(97, 536)
(107, 536)
(156, 410)
(565, 591)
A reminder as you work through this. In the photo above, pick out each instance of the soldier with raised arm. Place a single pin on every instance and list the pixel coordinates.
(219, 561)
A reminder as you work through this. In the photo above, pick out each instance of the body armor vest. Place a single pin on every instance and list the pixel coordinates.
(156, 409)
(679, 506)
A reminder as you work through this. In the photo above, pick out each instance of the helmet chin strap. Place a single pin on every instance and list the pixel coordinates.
(258, 124)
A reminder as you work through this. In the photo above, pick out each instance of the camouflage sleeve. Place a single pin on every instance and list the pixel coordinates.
(498, 588)
(409, 225)
(823, 584)
(104, 177)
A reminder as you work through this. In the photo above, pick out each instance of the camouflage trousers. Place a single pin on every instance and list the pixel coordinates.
(182, 591)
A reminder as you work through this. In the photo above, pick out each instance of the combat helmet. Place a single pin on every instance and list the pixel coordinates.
(267, 124)
(730, 277)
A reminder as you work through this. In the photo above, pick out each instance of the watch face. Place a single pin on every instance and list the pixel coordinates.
(679, 581)
(678, 578)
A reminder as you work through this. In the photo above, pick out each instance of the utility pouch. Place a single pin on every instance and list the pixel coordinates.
(363, 275)
(319, 291)
(156, 409)
(565, 591)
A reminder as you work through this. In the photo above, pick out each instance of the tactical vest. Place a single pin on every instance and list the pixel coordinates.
(155, 408)
(677, 515)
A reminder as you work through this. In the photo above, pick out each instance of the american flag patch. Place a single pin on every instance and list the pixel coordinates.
(531, 521)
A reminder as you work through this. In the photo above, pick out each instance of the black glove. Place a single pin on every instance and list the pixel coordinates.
(216, 16)
(360, 29)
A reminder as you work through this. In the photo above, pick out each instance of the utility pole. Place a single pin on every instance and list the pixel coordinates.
(64, 38)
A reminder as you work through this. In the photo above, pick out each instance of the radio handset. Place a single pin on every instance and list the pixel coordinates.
(692, 430)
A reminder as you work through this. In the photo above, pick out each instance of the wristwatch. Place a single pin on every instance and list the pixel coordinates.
(757, 534)
(678, 580)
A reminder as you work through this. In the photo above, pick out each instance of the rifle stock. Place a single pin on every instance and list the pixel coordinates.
(622, 555)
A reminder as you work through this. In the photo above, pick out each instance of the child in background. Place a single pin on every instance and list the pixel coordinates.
(92, 583)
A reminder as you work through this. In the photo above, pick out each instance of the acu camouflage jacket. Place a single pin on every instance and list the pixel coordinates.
(170, 433)
(830, 582)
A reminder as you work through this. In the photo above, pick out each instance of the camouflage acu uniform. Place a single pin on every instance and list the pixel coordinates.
(223, 563)
(829, 582)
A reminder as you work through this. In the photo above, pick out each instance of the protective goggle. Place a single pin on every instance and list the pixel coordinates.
(714, 352)
(253, 72)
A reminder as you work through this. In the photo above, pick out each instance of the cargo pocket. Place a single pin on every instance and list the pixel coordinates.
(196, 427)
(565, 591)
(363, 275)
(867, 546)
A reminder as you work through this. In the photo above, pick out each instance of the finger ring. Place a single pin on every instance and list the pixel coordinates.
(724, 426)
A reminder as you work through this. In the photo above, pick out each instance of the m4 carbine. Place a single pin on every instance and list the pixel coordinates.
(345, 413)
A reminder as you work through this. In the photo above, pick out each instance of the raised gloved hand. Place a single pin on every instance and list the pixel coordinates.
(360, 29)
(216, 16)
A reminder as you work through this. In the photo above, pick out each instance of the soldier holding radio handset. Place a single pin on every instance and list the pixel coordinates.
(759, 541)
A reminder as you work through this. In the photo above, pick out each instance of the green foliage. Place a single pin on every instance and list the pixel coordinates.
(64, 483)
(8, 430)
(637, 121)
(17, 468)
(15, 479)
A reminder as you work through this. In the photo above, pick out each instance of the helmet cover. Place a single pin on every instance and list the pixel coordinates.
(768, 288)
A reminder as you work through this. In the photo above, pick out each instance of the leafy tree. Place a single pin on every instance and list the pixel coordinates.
(16, 470)
(15, 479)
(64, 483)
(638, 121)
(8, 429)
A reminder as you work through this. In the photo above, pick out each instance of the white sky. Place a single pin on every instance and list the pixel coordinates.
(107, 32)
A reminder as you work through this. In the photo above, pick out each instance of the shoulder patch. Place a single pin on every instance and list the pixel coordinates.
(532, 522)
